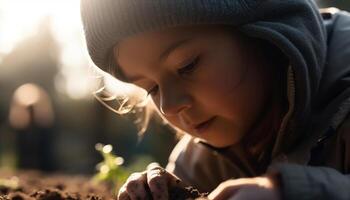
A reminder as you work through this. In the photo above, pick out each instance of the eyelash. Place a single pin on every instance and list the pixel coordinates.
(188, 69)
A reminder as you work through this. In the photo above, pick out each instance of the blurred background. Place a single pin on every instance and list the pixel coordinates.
(49, 119)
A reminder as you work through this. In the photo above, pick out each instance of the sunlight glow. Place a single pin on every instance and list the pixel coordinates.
(118, 96)
(20, 19)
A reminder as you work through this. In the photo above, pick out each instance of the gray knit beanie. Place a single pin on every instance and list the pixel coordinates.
(106, 22)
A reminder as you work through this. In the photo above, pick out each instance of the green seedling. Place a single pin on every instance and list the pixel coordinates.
(110, 169)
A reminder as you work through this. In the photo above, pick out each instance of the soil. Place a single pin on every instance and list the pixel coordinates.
(188, 193)
(33, 185)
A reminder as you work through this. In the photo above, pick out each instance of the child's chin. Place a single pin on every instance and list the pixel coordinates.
(217, 144)
(223, 144)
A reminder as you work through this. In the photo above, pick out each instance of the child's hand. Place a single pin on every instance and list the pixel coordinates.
(258, 188)
(150, 184)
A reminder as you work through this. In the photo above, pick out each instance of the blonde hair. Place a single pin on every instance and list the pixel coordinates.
(138, 105)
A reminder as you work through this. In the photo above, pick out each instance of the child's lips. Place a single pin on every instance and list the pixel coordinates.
(200, 128)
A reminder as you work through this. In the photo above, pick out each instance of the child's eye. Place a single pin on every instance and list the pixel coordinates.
(189, 68)
(184, 70)
(153, 91)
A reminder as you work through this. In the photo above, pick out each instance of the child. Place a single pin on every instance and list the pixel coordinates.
(260, 88)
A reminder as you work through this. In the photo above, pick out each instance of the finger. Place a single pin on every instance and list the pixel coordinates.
(153, 166)
(174, 181)
(157, 181)
(123, 194)
(173, 178)
(136, 186)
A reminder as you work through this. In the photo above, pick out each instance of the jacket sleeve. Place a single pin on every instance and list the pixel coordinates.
(200, 167)
(300, 182)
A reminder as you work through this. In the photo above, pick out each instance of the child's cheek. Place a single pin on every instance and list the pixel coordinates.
(221, 80)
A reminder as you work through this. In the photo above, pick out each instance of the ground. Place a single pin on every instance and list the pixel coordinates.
(33, 185)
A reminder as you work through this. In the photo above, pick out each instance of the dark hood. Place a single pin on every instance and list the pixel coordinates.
(318, 48)
(296, 28)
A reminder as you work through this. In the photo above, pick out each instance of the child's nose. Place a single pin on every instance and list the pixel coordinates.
(173, 101)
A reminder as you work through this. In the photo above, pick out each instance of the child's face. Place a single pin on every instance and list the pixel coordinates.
(199, 74)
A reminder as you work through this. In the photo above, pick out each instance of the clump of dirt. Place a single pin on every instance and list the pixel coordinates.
(187, 193)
